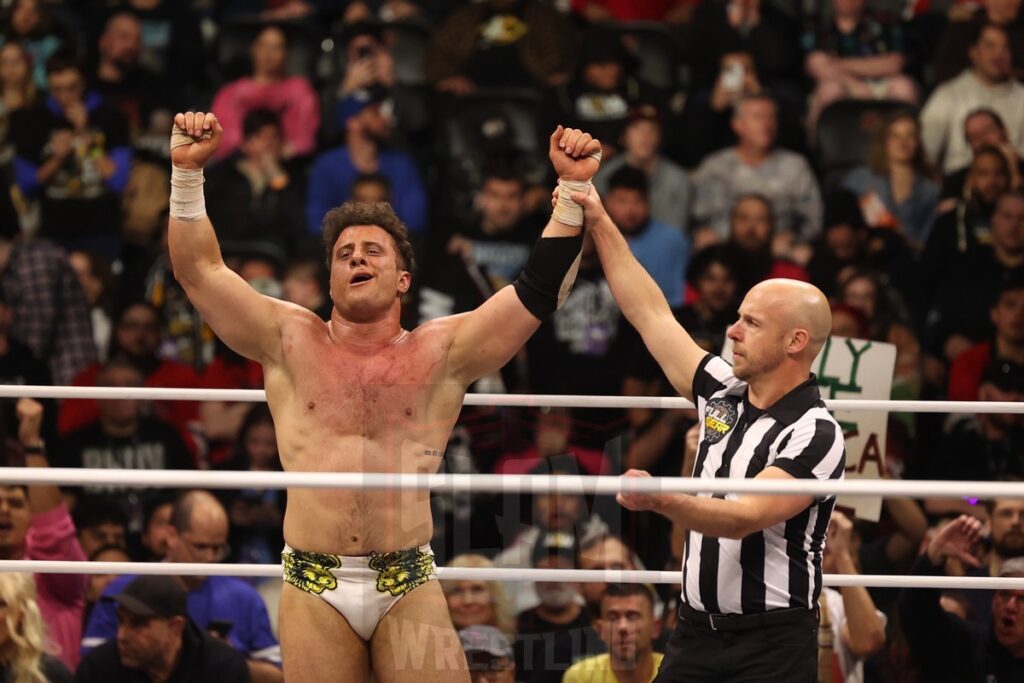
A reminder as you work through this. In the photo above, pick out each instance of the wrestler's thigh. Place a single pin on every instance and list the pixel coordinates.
(317, 643)
(416, 642)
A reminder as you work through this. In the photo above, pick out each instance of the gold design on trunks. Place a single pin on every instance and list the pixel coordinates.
(310, 572)
(400, 571)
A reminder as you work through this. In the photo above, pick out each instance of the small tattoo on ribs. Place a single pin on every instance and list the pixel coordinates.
(434, 454)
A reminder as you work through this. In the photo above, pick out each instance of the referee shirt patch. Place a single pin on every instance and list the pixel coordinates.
(719, 417)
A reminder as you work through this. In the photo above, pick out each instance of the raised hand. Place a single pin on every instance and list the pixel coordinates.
(570, 152)
(956, 540)
(204, 130)
(30, 421)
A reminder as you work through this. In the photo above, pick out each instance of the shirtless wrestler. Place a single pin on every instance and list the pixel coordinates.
(360, 394)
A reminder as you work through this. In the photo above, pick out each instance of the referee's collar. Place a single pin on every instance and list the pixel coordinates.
(798, 401)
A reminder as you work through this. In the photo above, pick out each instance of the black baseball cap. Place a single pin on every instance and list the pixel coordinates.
(153, 596)
(555, 544)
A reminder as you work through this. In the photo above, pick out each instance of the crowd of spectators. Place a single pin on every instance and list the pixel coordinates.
(871, 147)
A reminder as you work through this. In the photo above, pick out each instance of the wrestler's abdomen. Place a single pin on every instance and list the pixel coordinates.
(337, 411)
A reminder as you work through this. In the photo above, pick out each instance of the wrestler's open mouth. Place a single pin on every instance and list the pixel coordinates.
(360, 277)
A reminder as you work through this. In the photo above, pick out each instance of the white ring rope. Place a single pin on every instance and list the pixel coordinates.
(500, 483)
(514, 400)
(492, 574)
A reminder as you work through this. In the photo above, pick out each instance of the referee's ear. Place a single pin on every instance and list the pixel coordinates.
(799, 342)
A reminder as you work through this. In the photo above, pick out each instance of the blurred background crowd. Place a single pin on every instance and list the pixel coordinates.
(871, 147)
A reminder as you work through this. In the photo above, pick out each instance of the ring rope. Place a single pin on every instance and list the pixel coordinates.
(521, 574)
(500, 483)
(491, 400)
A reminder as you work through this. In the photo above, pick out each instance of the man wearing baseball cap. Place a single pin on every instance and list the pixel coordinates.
(158, 643)
(489, 654)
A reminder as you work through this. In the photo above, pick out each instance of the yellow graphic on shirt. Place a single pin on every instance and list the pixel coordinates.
(400, 571)
(310, 572)
(503, 29)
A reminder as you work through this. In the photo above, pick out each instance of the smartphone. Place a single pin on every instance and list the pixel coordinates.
(732, 77)
(222, 627)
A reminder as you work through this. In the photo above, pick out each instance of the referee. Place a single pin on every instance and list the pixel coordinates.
(752, 564)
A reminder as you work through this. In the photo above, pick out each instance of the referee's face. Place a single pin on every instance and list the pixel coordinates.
(758, 336)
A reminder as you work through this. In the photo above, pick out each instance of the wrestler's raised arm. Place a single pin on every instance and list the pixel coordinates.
(641, 300)
(246, 320)
(487, 338)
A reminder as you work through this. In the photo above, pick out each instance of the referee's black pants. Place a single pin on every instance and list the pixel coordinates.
(777, 653)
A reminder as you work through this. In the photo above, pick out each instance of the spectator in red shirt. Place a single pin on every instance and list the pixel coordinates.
(35, 525)
(137, 340)
(1007, 314)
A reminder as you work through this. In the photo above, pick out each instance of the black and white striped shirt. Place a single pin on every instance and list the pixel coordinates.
(779, 567)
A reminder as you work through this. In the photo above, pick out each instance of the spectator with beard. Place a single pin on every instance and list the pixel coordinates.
(842, 245)
(967, 223)
(1005, 543)
(1007, 313)
(943, 645)
(711, 278)
(628, 626)
(558, 620)
(136, 342)
(334, 171)
(669, 184)
(662, 249)
(955, 320)
(983, 128)
(269, 87)
(988, 82)
(752, 237)
(125, 83)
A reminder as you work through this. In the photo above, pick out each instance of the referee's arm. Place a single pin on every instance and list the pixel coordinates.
(641, 300)
(719, 517)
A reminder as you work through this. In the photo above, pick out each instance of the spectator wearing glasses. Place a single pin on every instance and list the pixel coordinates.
(224, 605)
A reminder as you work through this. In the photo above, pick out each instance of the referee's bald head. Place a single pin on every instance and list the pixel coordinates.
(803, 310)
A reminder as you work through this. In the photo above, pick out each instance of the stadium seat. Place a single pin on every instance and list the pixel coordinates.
(655, 48)
(236, 35)
(844, 134)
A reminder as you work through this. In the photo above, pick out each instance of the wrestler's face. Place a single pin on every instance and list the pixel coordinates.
(758, 335)
(627, 626)
(145, 642)
(470, 604)
(1007, 524)
(366, 278)
(1008, 618)
(608, 554)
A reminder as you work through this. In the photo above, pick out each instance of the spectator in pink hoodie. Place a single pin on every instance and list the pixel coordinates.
(35, 525)
(292, 98)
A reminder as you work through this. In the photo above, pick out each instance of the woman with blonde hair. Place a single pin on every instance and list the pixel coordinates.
(472, 602)
(23, 647)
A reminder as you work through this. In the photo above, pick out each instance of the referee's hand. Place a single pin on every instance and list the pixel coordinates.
(638, 502)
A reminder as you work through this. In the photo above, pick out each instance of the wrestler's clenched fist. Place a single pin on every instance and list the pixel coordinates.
(194, 139)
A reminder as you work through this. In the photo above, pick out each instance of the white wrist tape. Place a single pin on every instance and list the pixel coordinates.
(568, 212)
(187, 200)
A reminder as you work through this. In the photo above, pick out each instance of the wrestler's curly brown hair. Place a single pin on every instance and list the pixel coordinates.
(366, 213)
